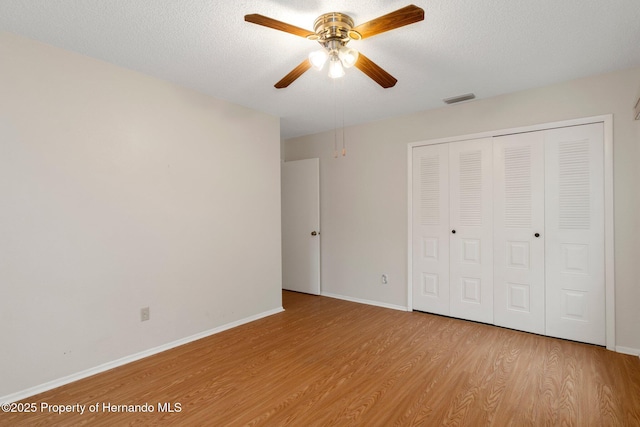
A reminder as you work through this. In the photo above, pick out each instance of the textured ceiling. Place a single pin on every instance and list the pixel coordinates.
(488, 47)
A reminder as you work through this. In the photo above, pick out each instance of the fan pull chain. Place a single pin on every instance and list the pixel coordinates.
(335, 120)
(344, 148)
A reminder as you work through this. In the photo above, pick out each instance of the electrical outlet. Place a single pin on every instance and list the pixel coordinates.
(144, 314)
(385, 279)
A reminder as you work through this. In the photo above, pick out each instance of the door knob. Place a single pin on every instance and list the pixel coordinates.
(314, 233)
(453, 231)
(537, 234)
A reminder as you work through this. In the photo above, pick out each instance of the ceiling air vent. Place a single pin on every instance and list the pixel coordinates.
(459, 98)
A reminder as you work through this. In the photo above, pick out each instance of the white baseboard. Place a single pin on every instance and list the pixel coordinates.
(365, 301)
(132, 358)
(628, 350)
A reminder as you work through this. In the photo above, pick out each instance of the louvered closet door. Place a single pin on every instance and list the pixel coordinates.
(430, 238)
(471, 254)
(519, 286)
(574, 242)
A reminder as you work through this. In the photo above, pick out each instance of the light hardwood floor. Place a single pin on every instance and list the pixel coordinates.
(331, 362)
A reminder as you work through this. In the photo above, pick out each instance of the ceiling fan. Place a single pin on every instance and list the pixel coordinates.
(333, 31)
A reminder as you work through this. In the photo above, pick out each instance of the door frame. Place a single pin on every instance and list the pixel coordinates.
(607, 121)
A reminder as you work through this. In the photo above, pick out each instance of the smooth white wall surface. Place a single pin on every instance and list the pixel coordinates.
(120, 191)
(364, 195)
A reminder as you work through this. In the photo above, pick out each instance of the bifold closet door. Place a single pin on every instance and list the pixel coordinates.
(471, 229)
(430, 218)
(452, 229)
(574, 242)
(519, 233)
(510, 230)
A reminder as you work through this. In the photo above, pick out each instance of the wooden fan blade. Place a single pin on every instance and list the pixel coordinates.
(277, 25)
(401, 17)
(375, 72)
(293, 75)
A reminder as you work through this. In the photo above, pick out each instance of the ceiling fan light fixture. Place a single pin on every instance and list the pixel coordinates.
(317, 58)
(335, 67)
(348, 56)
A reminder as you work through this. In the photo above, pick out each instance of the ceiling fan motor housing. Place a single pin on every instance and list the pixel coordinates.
(334, 29)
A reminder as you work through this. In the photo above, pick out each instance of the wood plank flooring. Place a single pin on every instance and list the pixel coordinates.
(327, 362)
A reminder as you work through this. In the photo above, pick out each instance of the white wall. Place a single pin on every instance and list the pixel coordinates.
(120, 191)
(364, 195)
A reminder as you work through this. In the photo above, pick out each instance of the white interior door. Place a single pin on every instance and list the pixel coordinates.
(574, 242)
(430, 238)
(301, 226)
(471, 250)
(518, 183)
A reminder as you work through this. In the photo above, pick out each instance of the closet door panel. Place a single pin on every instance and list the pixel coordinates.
(471, 254)
(519, 287)
(431, 229)
(574, 243)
